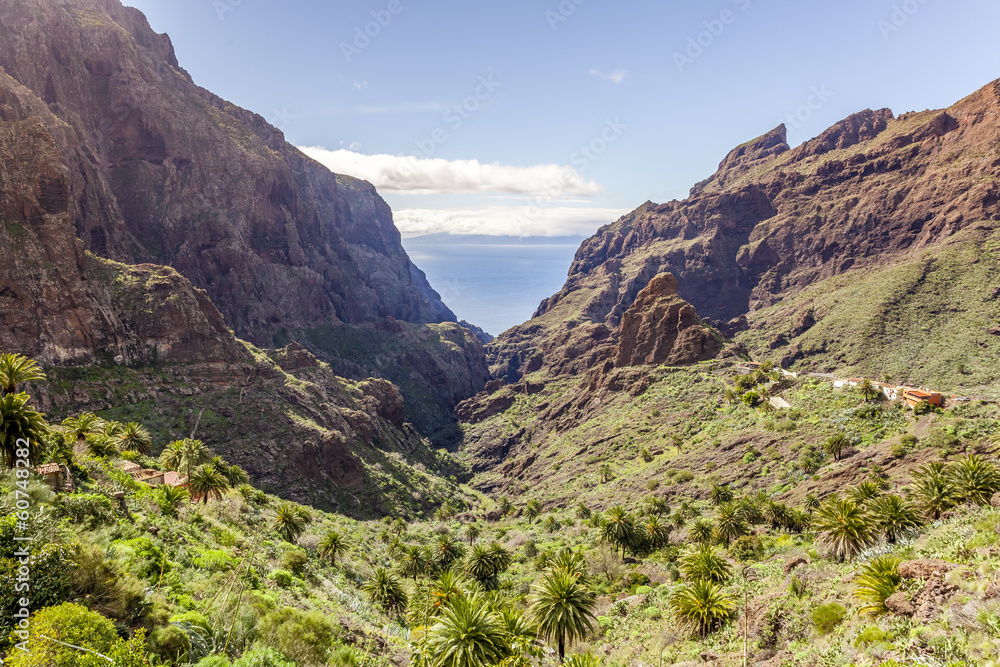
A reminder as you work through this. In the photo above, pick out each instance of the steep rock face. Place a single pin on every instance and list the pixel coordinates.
(149, 168)
(869, 193)
(661, 328)
(175, 175)
(62, 305)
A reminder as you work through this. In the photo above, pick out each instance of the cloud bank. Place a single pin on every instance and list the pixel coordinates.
(506, 221)
(435, 176)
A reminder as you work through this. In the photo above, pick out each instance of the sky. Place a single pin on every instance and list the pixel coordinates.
(554, 117)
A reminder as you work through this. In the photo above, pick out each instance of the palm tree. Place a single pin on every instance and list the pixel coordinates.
(80, 427)
(551, 524)
(618, 529)
(975, 479)
(207, 482)
(776, 514)
(236, 475)
(171, 499)
(582, 511)
(701, 605)
(413, 563)
(868, 390)
(835, 445)
(447, 551)
(934, 490)
(702, 531)
(134, 438)
(467, 634)
(472, 532)
(657, 532)
(385, 591)
(562, 607)
(865, 492)
(878, 580)
(729, 523)
(721, 493)
(481, 566)
(656, 506)
(290, 521)
(332, 546)
(101, 445)
(843, 528)
(750, 510)
(532, 510)
(21, 424)
(187, 454)
(504, 505)
(570, 561)
(16, 369)
(447, 586)
(705, 563)
(893, 517)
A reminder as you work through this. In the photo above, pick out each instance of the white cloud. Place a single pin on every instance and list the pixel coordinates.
(506, 221)
(422, 176)
(361, 86)
(614, 77)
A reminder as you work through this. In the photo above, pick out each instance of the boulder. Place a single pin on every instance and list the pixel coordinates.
(899, 604)
(995, 500)
(923, 568)
(794, 562)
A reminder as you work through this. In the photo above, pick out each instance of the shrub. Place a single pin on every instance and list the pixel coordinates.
(143, 558)
(646, 455)
(747, 548)
(909, 441)
(71, 624)
(86, 508)
(50, 568)
(214, 661)
(264, 656)
(683, 476)
(282, 578)
(305, 637)
(295, 561)
(872, 635)
(653, 484)
(828, 616)
(213, 560)
(898, 450)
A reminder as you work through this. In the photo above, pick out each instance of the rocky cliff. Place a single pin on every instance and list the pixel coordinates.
(149, 168)
(759, 247)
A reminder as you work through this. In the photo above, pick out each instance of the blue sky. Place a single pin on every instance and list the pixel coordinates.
(535, 81)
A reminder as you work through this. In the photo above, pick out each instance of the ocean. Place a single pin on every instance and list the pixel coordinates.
(494, 282)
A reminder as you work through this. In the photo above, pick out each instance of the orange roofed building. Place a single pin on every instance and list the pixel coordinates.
(914, 397)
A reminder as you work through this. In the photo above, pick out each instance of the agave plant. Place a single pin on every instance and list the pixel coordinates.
(878, 580)
(701, 605)
(705, 563)
(843, 528)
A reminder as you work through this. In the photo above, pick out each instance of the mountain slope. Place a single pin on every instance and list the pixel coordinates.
(873, 192)
(161, 171)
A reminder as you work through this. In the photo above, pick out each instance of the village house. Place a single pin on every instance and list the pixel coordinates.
(891, 392)
(779, 403)
(174, 479)
(52, 475)
(914, 397)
